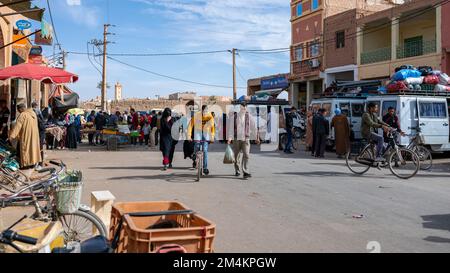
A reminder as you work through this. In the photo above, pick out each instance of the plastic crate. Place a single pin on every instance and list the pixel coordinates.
(112, 144)
(196, 233)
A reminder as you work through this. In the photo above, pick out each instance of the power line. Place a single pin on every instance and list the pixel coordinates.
(53, 24)
(172, 78)
(89, 57)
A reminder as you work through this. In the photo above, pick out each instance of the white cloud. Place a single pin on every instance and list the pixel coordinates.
(73, 2)
(233, 23)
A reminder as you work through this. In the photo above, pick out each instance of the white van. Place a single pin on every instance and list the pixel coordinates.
(352, 107)
(429, 113)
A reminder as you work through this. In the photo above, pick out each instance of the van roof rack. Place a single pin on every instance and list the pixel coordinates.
(256, 102)
(418, 93)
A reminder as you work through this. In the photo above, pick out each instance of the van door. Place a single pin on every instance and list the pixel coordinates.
(433, 120)
(357, 110)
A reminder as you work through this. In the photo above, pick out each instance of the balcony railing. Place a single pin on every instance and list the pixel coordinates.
(416, 48)
(375, 56)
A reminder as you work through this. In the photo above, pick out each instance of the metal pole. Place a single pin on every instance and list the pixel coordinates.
(104, 86)
(234, 74)
(64, 59)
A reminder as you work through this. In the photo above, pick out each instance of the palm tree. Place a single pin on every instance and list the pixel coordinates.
(99, 85)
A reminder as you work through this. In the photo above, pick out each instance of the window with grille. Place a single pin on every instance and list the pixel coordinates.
(340, 39)
(299, 53)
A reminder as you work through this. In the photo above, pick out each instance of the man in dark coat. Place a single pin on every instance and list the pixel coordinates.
(321, 132)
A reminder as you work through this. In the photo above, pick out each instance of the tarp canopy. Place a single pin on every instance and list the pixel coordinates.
(41, 73)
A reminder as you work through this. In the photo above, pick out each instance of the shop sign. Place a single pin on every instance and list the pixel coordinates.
(35, 59)
(274, 83)
(40, 39)
(36, 50)
(23, 24)
(22, 43)
(45, 36)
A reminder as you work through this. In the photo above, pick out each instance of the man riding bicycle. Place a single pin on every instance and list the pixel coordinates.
(369, 127)
(201, 129)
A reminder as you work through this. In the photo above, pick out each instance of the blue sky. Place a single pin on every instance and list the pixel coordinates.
(166, 26)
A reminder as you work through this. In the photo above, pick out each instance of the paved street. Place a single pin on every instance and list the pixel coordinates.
(292, 204)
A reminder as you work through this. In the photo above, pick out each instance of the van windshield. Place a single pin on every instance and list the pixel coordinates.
(433, 110)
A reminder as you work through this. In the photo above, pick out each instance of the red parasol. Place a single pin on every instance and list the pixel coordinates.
(37, 72)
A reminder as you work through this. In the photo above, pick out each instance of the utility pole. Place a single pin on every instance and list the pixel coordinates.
(234, 74)
(104, 87)
(64, 54)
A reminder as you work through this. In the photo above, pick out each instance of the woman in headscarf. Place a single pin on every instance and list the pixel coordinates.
(165, 138)
(71, 135)
(341, 132)
(309, 131)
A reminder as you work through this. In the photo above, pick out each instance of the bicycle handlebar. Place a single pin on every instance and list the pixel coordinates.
(11, 236)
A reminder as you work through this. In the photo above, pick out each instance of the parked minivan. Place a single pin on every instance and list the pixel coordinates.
(429, 113)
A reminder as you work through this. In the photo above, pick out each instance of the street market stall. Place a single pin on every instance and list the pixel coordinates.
(46, 75)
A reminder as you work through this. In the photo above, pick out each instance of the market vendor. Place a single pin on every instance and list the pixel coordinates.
(26, 131)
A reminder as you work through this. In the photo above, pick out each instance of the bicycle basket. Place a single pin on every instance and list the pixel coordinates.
(68, 193)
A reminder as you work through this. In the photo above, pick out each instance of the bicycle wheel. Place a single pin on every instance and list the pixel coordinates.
(360, 164)
(426, 159)
(79, 226)
(199, 159)
(404, 163)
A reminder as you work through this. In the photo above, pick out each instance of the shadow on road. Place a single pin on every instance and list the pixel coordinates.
(152, 168)
(440, 222)
(175, 178)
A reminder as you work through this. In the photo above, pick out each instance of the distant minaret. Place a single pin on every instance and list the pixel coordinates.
(118, 92)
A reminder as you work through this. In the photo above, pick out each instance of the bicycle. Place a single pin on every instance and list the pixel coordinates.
(416, 145)
(199, 155)
(402, 162)
(78, 225)
(98, 244)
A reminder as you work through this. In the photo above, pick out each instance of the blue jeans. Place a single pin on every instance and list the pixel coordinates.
(379, 140)
(205, 152)
(289, 140)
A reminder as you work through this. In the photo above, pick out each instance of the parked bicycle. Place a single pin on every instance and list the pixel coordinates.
(402, 162)
(9, 237)
(416, 145)
(49, 197)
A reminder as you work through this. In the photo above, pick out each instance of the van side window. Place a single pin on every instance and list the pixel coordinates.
(386, 105)
(345, 108)
(433, 110)
(357, 109)
(316, 107)
(327, 106)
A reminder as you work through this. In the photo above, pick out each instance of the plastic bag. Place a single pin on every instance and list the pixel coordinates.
(229, 156)
(414, 81)
(431, 79)
(406, 73)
